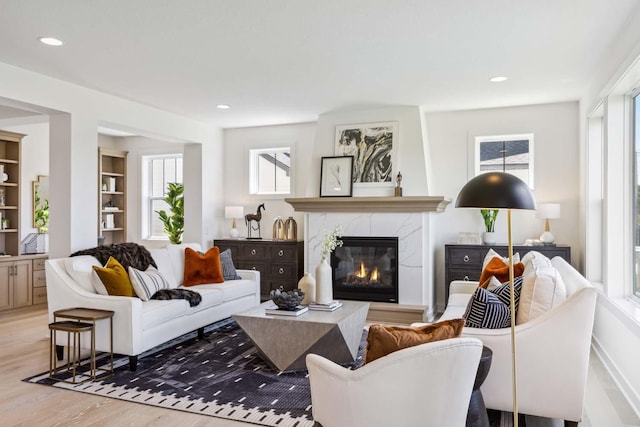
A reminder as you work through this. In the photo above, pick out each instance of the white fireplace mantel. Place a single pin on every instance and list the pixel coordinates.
(370, 204)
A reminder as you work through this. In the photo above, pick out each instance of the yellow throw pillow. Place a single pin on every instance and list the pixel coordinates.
(382, 340)
(115, 278)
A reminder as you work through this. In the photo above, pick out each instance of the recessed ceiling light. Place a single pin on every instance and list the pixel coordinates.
(223, 106)
(497, 79)
(51, 41)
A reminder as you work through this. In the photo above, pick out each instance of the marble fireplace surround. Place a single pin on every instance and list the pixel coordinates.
(407, 218)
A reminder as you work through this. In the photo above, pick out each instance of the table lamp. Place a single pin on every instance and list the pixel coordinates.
(500, 190)
(233, 212)
(547, 211)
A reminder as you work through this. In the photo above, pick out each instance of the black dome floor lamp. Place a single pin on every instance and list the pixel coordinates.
(500, 190)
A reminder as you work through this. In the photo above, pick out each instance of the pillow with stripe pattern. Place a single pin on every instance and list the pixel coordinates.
(147, 283)
(491, 309)
(228, 269)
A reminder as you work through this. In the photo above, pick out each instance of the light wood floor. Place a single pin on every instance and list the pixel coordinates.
(24, 351)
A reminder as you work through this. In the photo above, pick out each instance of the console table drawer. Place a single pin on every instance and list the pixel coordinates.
(254, 252)
(282, 253)
(470, 257)
(283, 271)
(464, 274)
(251, 265)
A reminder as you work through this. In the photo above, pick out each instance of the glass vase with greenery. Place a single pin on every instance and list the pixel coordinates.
(174, 222)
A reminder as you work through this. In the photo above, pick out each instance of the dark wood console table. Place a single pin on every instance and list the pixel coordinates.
(464, 262)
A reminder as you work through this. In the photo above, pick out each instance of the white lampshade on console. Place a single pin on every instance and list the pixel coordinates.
(547, 211)
(233, 212)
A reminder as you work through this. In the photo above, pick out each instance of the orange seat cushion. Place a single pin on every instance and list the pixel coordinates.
(497, 267)
(202, 268)
(383, 340)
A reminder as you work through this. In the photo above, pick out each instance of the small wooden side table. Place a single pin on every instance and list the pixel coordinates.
(92, 315)
(73, 351)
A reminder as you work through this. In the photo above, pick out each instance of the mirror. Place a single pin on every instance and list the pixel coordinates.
(40, 200)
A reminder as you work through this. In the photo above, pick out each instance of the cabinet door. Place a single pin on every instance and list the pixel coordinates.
(6, 286)
(22, 280)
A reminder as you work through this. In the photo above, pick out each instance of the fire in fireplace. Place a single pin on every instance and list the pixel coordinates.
(366, 269)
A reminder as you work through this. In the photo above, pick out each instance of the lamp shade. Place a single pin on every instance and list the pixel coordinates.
(496, 190)
(548, 210)
(233, 212)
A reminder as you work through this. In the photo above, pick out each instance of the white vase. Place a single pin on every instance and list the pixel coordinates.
(324, 285)
(489, 237)
(308, 285)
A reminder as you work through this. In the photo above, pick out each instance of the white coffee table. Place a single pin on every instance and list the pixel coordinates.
(284, 341)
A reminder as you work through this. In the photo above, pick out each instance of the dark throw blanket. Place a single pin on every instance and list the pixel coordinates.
(127, 254)
(194, 298)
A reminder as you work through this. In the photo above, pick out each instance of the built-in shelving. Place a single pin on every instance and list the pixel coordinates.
(112, 223)
(10, 156)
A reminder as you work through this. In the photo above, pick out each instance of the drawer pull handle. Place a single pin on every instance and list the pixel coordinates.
(465, 258)
(281, 252)
(466, 278)
(253, 251)
(253, 268)
(281, 270)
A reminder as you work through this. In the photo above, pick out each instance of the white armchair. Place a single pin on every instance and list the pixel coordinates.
(552, 351)
(427, 385)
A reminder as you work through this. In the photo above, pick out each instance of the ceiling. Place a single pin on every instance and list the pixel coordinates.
(286, 61)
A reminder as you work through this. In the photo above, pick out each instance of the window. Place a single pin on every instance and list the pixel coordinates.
(270, 171)
(157, 172)
(506, 153)
(636, 195)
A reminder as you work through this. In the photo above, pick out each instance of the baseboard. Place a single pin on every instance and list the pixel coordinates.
(402, 314)
(632, 398)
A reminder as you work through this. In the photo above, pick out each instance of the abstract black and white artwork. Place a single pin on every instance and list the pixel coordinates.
(371, 145)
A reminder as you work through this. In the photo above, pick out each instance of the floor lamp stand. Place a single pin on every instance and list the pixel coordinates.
(513, 322)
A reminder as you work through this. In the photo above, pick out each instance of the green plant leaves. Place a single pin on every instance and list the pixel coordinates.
(174, 223)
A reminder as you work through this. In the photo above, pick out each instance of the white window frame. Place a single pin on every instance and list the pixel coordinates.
(145, 190)
(252, 159)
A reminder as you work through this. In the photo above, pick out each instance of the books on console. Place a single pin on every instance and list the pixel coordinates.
(333, 305)
(281, 312)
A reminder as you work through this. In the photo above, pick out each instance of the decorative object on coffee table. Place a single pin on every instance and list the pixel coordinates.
(286, 300)
(324, 276)
(249, 219)
(308, 285)
(500, 190)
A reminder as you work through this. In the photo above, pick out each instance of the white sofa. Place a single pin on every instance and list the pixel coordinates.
(141, 325)
(426, 385)
(552, 351)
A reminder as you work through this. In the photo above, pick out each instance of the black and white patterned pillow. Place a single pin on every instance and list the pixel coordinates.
(491, 309)
(228, 269)
(147, 283)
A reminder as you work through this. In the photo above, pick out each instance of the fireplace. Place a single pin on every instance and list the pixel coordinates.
(366, 269)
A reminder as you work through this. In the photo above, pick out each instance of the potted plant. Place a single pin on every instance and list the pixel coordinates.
(174, 223)
(489, 216)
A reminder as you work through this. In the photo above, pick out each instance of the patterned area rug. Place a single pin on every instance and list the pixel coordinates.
(221, 375)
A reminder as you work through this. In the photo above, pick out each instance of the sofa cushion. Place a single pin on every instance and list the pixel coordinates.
(228, 269)
(382, 340)
(542, 289)
(157, 312)
(491, 309)
(210, 298)
(165, 267)
(233, 289)
(80, 268)
(148, 282)
(115, 278)
(492, 254)
(202, 268)
(497, 267)
(176, 254)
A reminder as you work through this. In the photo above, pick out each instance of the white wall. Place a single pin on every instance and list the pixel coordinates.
(237, 143)
(451, 136)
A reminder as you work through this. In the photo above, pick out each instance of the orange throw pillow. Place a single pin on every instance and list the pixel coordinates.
(383, 340)
(497, 267)
(200, 269)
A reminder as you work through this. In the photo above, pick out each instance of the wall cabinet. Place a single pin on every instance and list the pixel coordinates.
(10, 151)
(112, 196)
(280, 262)
(464, 262)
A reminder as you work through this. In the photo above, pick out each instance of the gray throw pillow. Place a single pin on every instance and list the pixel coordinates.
(228, 269)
